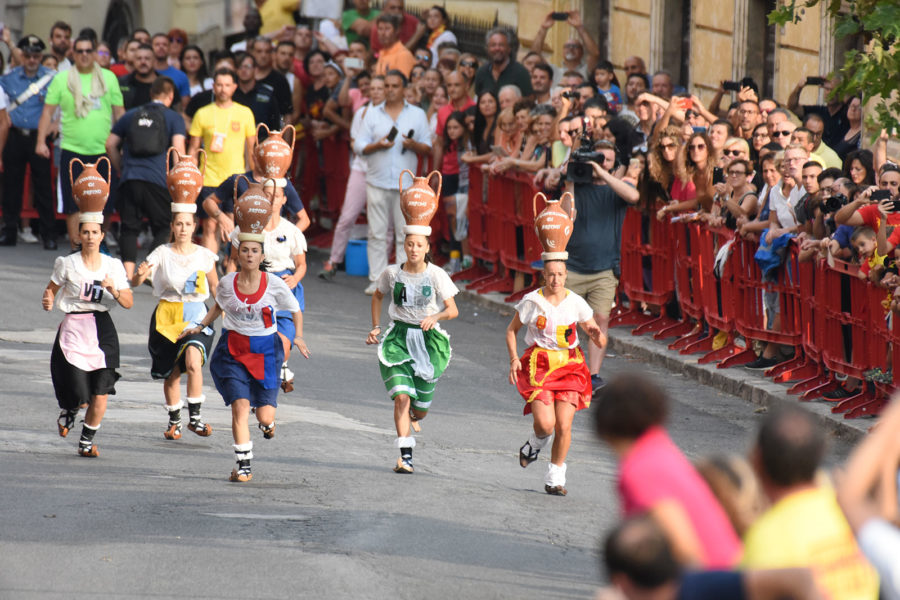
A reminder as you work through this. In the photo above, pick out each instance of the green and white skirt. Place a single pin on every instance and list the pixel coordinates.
(412, 360)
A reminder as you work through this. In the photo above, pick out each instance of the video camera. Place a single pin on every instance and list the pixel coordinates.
(835, 203)
(579, 169)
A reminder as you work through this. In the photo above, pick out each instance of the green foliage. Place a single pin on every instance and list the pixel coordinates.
(873, 72)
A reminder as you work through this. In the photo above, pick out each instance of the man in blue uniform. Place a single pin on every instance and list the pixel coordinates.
(26, 87)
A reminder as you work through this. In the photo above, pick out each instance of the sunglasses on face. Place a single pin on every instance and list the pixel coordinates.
(422, 57)
(468, 63)
(731, 152)
(737, 173)
(697, 147)
(668, 146)
(781, 133)
(83, 51)
(176, 40)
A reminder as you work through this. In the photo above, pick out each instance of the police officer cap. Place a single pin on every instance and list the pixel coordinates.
(31, 43)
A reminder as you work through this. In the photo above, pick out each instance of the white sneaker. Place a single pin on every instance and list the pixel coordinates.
(28, 237)
(370, 291)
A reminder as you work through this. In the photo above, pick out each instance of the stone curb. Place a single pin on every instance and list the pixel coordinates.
(737, 381)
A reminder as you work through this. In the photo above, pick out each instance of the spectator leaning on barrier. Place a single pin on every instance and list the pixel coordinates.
(594, 249)
(804, 526)
(502, 68)
(385, 161)
(90, 102)
(137, 148)
(26, 87)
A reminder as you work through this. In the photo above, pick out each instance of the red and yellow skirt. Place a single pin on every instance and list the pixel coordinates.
(551, 376)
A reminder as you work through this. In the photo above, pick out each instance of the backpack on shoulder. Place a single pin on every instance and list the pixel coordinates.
(147, 132)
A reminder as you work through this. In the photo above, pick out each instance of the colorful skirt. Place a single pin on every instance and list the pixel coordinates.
(84, 358)
(551, 376)
(412, 360)
(285, 318)
(248, 367)
(168, 321)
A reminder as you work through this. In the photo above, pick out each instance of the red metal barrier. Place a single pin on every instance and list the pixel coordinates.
(495, 203)
(479, 245)
(647, 271)
(688, 284)
(520, 247)
(810, 371)
(719, 293)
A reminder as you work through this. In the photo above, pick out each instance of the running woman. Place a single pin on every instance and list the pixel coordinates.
(246, 364)
(85, 354)
(552, 375)
(183, 274)
(415, 350)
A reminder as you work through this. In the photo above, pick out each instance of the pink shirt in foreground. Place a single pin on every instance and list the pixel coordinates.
(655, 470)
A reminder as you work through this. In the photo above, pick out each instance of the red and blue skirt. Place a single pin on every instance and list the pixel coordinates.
(551, 376)
(248, 367)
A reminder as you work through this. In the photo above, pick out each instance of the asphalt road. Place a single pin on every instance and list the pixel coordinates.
(324, 516)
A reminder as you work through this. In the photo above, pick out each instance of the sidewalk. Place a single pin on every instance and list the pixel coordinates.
(749, 385)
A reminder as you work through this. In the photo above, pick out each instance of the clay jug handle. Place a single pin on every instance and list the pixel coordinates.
(274, 189)
(257, 130)
(293, 135)
(567, 203)
(202, 153)
(236, 180)
(534, 202)
(411, 174)
(169, 158)
(72, 179)
(108, 168)
(440, 181)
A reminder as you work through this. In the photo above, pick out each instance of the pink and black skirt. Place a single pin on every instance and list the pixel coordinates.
(84, 359)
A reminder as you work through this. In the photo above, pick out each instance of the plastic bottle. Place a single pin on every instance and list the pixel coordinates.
(455, 262)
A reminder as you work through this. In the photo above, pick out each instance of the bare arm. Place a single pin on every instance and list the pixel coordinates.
(626, 192)
(847, 214)
(377, 298)
(44, 125)
(249, 145)
(178, 143)
(676, 524)
(774, 584)
(512, 330)
(537, 44)
(793, 102)
(49, 296)
(591, 50)
(117, 112)
(303, 220)
(414, 40)
(194, 147)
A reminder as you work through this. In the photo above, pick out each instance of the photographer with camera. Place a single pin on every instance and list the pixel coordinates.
(594, 249)
(863, 211)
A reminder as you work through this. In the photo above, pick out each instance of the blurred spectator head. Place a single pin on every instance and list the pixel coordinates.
(376, 89)
(440, 98)
(314, 63)
(333, 75)
(393, 7)
(431, 79)
(143, 60)
(572, 79)
(457, 87)
(252, 22)
(488, 105)
(142, 35)
(246, 68)
(859, 168)
(604, 75)
(735, 148)
(628, 406)
(522, 111)
(816, 126)
(416, 74)
(446, 66)
(506, 121)
(89, 33)
(501, 44)
(826, 180)
(730, 477)
(178, 39)
(394, 86)
(635, 85)
(760, 136)
(84, 53)
(284, 56)
(60, 37)
(225, 82)
(163, 89)
(795, 156)
(596, 110)
(541, 78)
(436, 17)
(586, 91)
(767, 105)
(509, 94)
(863, 241)
(768, 166)
(788, 450)
(662, 85)
(423, 57)
(387, 27)
(782, 132)
(696, 153)
(192, 62)
(638, 558)
(104, 55)
(749, 115)
(804, 137)
(467, 65)
(573, 50)
(809, 177)
(634, 65)
(360, 49)
(303, 39)
(50, 61)
(160, 45)
(262, 51)
(854, 110)
(531, 59)
(130, 49)
(719, 132)
(541, 118)
(223, 59)
(774, 118)
(889, 178)
(449, 50)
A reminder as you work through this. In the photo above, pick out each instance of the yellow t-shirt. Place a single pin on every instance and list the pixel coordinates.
(224, 131)
(276, 14)
(808, 529)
